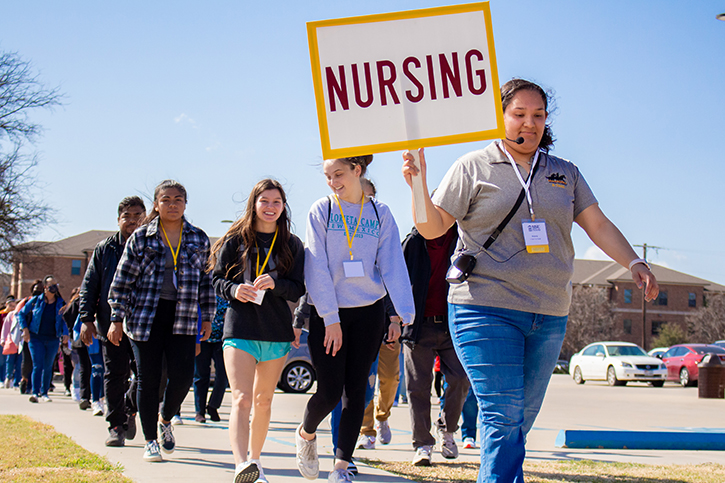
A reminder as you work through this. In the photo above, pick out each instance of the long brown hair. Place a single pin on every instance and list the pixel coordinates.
(243, 229)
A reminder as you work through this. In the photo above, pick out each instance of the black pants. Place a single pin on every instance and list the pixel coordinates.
(67, 369)
(179, 352)
(120, 391)
(85, 372)
(345, 375)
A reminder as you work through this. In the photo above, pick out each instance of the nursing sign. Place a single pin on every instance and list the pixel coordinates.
(405, 80)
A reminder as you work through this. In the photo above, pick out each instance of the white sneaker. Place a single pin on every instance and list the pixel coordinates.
(469, 443)
(177, 421)
(422, 456)
(339, 476)
(366, 442)
(307, 460)
(166, 437)
(97, 408)
(384, 432)
(247, 472)
(152, 451)
(46, 399)
(261, 478)
(447, 444)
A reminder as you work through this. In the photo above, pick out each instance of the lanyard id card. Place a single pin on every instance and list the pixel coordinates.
(176, 285)
(535, 236)
(353, 268)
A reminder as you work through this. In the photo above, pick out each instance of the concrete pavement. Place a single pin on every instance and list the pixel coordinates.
(203, 449)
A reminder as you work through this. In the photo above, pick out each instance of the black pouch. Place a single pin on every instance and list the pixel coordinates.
(460, 269)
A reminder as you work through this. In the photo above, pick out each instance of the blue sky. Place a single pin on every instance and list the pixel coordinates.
(219, 95)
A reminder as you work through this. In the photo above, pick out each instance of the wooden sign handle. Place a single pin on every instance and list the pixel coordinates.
(419, 193)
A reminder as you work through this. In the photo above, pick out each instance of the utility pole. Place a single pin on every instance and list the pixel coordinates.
(644, 248)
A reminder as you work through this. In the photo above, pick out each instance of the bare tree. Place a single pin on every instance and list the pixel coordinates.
(21, 92)
(707, 324)
(591, 319)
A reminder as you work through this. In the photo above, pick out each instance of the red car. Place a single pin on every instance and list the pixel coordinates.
(682, 360)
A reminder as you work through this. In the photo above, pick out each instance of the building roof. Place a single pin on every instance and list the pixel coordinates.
(600, 272)
(73, 246)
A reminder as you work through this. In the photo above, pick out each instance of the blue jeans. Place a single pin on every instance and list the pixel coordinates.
(13, 365)
(509, 357)
(97, 371)
(43, 352)
(470, 416)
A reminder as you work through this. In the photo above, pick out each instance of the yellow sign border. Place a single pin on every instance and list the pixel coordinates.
(329, 153)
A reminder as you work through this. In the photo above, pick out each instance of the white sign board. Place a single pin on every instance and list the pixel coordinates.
(405, 80)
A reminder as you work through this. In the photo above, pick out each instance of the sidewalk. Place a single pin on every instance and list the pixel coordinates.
(202, 450)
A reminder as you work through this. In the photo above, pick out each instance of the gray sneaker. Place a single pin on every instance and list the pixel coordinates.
(246, 472)
(307, 461)
(448, 447)
(384, 432)
(339, 476)
(166, 437)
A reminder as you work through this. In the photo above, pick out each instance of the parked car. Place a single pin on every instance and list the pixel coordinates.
(617, 363)
(657, 352)
(682, 360)
(298, 373)
(721, 343)
(562, 367)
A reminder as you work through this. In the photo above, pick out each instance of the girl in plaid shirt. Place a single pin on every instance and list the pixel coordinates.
(158, 289)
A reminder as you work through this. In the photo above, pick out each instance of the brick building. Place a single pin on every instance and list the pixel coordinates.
(680, 294)
(66, 259)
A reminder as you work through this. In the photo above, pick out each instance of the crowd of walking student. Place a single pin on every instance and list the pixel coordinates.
(471, 290)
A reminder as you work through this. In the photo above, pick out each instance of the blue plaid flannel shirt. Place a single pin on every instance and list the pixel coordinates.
(136, 286)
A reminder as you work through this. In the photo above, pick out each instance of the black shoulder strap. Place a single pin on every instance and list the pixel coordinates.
(511, 214)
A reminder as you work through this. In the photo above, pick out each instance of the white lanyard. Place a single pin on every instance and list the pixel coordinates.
(527, 183)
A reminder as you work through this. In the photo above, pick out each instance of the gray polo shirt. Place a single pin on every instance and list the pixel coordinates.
(478, 191)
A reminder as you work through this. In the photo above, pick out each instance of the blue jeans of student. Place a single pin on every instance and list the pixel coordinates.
(470, 416)
(337, 412)
(43, 352)
(97, 371)
(13, 365)
(509, 357)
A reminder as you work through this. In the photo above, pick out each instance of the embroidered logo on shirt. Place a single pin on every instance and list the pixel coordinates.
(557, 179)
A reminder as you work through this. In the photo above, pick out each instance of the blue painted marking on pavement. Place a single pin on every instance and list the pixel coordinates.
(667, 440)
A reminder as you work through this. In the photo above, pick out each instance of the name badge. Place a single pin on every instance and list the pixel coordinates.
(258, 296)
(535, 236)
(353, 268)
(176, 285)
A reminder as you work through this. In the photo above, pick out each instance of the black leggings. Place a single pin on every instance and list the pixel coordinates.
(346, 374)
(179, 352)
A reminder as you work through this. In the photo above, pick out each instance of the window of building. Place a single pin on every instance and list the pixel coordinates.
(656, 326)
(661, 298)
(75, 267)
(627, 295)
(627, 325)
(692, 299)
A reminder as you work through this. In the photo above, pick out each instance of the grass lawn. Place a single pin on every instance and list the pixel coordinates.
(32, 451)
(564, 471)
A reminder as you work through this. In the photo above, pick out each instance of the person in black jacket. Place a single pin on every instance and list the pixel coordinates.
(117, 354)
(428, 261)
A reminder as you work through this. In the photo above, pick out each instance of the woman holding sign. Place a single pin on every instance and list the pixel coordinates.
(258, 265)
(156, 296)
(511, 273)
(353, 255)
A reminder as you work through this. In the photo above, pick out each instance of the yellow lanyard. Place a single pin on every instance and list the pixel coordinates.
(269, 253)
(174, 254)
(347, 232)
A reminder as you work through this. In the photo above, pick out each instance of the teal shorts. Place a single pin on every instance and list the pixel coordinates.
(261, 350)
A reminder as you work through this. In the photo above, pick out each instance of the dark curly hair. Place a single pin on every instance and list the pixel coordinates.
(509, 90)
